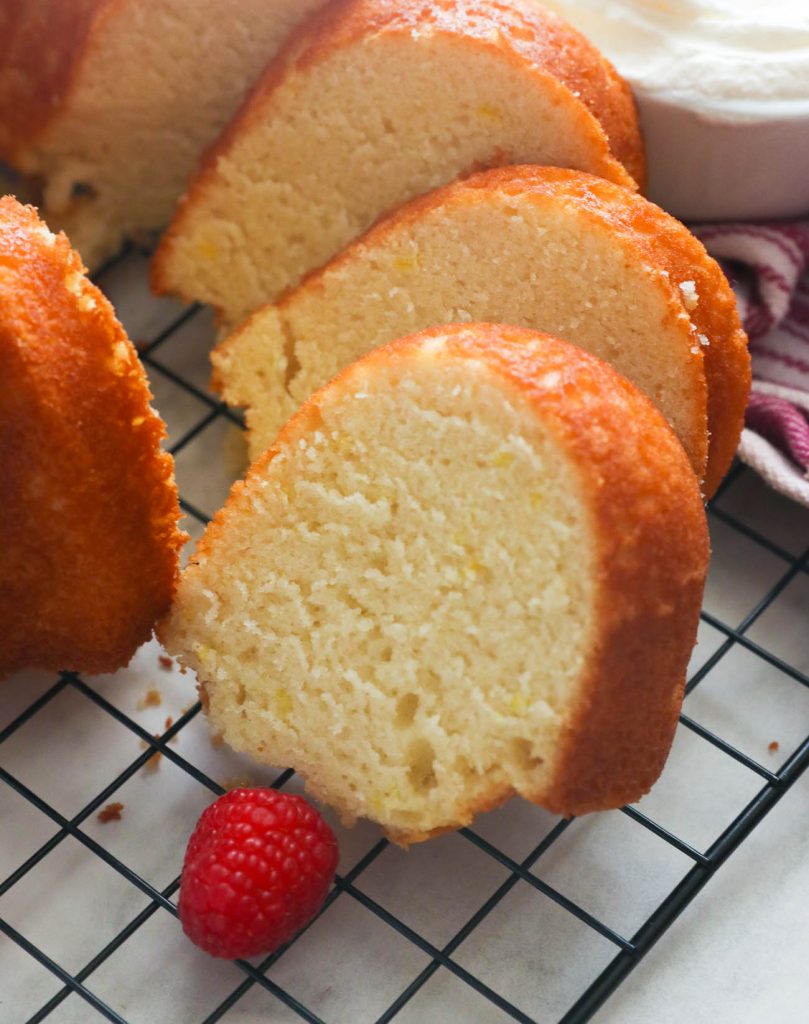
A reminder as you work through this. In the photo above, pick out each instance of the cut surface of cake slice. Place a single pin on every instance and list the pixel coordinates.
(470, 566)
(110, 102)
(88, 505)
(370, 104)
(555, 250)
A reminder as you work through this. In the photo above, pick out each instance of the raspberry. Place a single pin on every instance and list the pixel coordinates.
(256, 870)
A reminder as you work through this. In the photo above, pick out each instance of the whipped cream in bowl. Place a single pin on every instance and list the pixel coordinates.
(723, 92)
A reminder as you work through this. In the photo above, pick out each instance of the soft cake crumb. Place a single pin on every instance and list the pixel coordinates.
(99, 144)
(448, 499)
(480, 556)
(458, 281)
(474, 116)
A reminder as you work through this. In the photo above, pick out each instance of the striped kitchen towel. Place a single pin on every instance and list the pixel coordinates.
(769, 267)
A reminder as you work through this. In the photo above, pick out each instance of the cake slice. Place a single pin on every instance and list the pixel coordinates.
(370, 104)
(88, 505)
(555, 250)
(110, 102)
(470, 566)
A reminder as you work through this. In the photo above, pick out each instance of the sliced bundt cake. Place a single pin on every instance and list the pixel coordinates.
(470, 566)
(556, 250)
(88, 507)
(110, 102)
(371, 103)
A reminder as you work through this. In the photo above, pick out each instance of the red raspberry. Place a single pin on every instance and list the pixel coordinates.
(257, 869)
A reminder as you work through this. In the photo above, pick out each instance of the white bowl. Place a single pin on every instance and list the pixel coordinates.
(703, 166)
(723, 92)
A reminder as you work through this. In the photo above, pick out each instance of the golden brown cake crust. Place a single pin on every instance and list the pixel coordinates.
(652, 551)
(599, 103)
(652, 235)
(41, 48)
(89, 556)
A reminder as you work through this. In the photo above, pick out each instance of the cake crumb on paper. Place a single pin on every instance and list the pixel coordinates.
(238, 782)
(774, 747)
(165, 662)
(151, 699)
(154, 761)
(112, 812)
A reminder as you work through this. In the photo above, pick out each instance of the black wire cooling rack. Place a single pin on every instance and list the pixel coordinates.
(628, 950)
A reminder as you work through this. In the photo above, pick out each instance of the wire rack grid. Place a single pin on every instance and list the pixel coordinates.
(438, 930)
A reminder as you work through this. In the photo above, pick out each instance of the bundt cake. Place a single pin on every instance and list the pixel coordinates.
(555, 250)
(110, 102)
(371, 103)
(88, 505)
(470, 566)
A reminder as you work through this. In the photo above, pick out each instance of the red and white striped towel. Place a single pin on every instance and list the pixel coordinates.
(769, 267)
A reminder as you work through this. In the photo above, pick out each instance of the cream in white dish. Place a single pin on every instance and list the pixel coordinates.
(723, 91)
